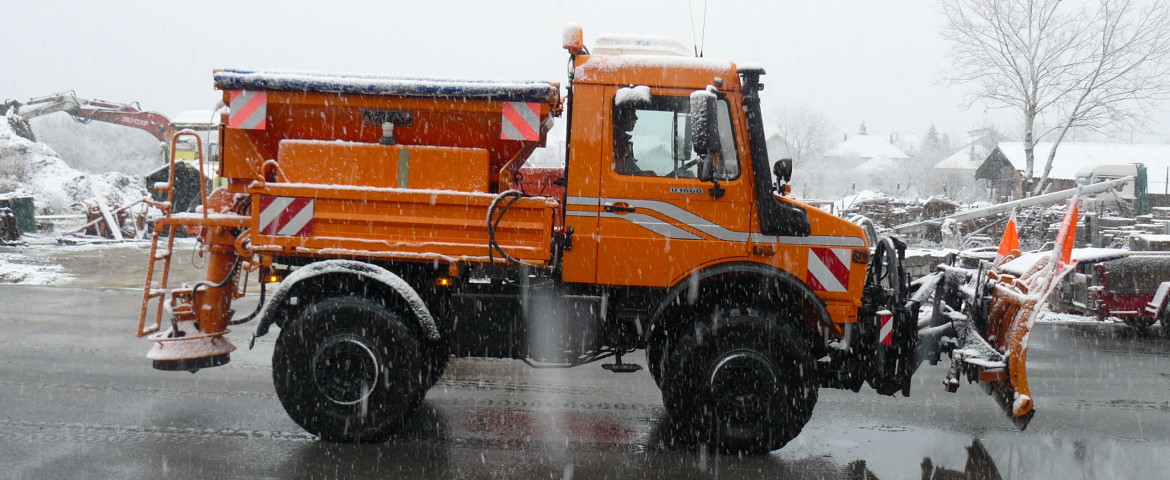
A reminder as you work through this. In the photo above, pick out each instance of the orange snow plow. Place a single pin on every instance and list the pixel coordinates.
(984, 318)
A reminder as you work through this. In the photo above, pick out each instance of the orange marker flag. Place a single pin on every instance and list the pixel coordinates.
(1066, 237)
(1010, 240)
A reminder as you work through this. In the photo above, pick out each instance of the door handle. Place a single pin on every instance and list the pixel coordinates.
(619, 207)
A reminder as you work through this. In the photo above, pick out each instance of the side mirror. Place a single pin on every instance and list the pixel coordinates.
(782, 171)
(704, 123)
(705, 131)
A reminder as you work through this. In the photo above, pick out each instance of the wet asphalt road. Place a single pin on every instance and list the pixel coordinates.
(79, 400)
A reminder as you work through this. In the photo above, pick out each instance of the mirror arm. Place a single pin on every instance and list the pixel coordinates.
(716, 191)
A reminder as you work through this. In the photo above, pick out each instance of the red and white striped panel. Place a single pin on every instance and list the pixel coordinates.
(828, 269)
(886, 334)
(286, 216)
(521, 121)
(249, 110)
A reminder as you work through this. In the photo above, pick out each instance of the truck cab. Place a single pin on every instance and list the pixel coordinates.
(642, 212)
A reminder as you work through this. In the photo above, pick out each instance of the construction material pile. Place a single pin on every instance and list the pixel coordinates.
(1103, 224)
(886, 211)
(33, 169)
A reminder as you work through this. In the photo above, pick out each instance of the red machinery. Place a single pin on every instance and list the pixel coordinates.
(86, 110)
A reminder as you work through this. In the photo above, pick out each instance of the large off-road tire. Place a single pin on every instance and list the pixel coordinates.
(437, 357)
(349, 370)
(658, 351)
(742, 382)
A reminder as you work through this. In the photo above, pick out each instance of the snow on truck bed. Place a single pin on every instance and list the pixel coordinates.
(525, 90)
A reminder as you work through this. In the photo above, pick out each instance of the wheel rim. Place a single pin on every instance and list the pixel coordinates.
(345, 369)
(742, 383)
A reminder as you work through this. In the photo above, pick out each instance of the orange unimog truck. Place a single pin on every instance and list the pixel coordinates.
(396, 221)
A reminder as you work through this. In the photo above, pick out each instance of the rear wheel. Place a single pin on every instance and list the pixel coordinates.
(349, 369)
(742, 382)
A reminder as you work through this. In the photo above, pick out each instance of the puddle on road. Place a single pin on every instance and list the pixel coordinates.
(459, 441)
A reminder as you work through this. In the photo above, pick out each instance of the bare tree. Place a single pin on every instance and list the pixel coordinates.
(803, 130)
(1099, 64)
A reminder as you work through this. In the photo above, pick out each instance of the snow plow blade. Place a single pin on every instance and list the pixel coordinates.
(1010, 319)
(983, 315)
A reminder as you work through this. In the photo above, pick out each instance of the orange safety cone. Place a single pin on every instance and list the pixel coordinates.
(1066, 237)
(1010, 241)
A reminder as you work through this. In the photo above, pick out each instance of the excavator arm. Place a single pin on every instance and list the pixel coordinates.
(86, 110)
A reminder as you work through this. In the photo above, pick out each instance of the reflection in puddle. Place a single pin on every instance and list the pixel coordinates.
(980, 466)
(458, 440)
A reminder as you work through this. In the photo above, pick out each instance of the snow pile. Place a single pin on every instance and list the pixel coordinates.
(32, 168)
(13, 269)
(859, 198)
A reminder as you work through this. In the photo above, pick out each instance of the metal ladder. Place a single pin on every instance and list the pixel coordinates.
(168, 224)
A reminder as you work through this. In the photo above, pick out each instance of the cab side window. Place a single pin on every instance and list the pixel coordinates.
(653, 138)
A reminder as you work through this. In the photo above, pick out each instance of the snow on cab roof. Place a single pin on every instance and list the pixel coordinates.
(364, 84)
(615, 63)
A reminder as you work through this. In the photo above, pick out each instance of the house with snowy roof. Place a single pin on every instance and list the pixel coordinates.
(856, 150)
(1003, 168)
(973, 153)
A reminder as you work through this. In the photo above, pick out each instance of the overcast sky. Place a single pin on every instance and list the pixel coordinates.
(875, 61)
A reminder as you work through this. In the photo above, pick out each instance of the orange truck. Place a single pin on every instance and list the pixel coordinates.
(397, 226)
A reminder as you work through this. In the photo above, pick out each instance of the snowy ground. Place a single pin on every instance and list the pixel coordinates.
(57, 260)
(25, 270)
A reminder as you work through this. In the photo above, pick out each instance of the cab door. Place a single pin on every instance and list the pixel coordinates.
(656, 220)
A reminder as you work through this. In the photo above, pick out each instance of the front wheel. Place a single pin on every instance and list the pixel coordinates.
(349, 369)
(741, 383)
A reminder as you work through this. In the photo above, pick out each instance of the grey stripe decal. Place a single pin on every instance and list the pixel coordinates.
(821, 240)
(582, 201)
(654, 225)
(404, 168)
(687, 218)
(708, 227)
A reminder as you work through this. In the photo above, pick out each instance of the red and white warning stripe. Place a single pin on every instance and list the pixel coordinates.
(886, 334)
(249, 110)
(286, 216)
(521, 121)
(828, 269)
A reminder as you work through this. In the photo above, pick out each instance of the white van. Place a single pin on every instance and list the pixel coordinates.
(1101, 173)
